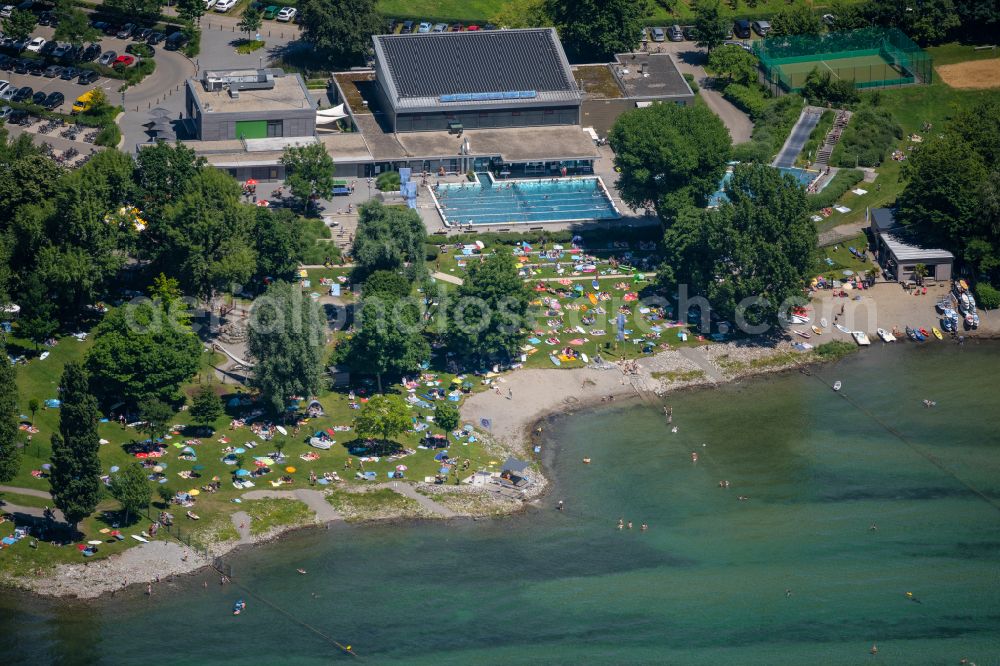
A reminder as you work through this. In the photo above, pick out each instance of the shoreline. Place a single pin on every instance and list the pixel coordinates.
(515, 424)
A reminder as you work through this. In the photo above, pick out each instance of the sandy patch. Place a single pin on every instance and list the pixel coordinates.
(972, 75)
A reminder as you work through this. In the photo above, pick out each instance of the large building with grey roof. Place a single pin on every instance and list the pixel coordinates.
(475, 80)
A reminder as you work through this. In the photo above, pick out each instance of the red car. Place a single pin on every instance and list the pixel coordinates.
(124, 60)
(473, 28)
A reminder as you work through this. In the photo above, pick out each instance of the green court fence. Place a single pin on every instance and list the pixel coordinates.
(870, 57)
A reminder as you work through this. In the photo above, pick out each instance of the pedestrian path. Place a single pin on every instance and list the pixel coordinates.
(807, 121)
(445, 277)
(26, 491)
(406, 490)
(697, 356)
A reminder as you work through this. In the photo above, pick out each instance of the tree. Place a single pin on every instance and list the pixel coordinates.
(38, 320)
(389, 238)
(597, 29)
(797, 19)
(711, 25)
(446, 416)
(73, 25)
(10, 445)
(521, 14)
(156, 416)
(139, 354)
(390, 340)
(130, 487)
(250, 21)
(286, 337)
(206, 407)
(385, 415)
(278, 239)
(190, 10)
(166, 494)
(669, 156)
(386, 285)
(33, 406)
(165, 173)
(821, 88)
(166, 294)
(308, 172)
(19, 25)
(340, 30)
(76, 468)
(734, 64)
(488, 317)
(145, 9)
(752, 254)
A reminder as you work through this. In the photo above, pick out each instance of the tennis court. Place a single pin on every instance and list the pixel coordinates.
(869, 57)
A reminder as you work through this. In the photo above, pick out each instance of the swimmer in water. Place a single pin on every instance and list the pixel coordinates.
(560, 505)
(909, 595)
(874, 527)
(874, 649)
(629, 524)
(788, 592)
(644, 527)
(621, 523)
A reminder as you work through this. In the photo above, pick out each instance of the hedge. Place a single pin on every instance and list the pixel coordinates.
(987, 296)
(750, 100)
(843, 181)
(689, 77)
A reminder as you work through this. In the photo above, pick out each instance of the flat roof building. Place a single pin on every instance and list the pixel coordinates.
(898, 250)
(250, 104)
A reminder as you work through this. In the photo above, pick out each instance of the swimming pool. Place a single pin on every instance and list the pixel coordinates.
(804, 178)
(524, 201)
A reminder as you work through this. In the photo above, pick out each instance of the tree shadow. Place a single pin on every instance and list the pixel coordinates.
(372, 447)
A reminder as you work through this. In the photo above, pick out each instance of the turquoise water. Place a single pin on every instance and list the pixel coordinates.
(802, 176)
(521, 201)
(705, 585)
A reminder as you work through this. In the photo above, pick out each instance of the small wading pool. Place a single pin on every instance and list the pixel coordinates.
(804, 178)
(524, 201)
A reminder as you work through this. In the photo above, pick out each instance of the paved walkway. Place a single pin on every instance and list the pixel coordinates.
(445, 277)
(44, 494)
(406, 490)
(796, 140)
(241, 521)
(697, 356)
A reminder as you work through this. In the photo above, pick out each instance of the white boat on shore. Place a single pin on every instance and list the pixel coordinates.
(886, 336)
(842, 328)
(861, 338)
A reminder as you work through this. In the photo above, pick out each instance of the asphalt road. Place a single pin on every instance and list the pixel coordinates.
(808, 120)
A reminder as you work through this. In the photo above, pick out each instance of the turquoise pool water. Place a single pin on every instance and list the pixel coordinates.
(801, 175)
(521, 201)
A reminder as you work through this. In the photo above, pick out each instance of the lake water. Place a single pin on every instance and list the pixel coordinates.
(705, 585)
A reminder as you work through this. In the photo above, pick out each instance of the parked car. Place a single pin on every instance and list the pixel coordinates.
(36, 44)
(16, 116)
(762, 27)
(54, 100)
(8, 93)
(155, 38)
(4, 85)
(59, 50)
(72, 54)
(124, 60)
(107, 58)
(99, 25)
(87, 77)
(473, 28)
(741, 28)
(390, 27)
(110, 29)
(743, 45)
(440, 27)
(175, 41)
(142, 35)
(657, 34)
(209, 4)
(223, 6)
(20, 66)
(6, 11)
(675, 34)
(456, 27)
(5, 112)
(6, 62)
(286, 14)
(53, 71)
(69, 73)
(270, 12)
(36, 67)
(690, 33)
(23, 94)
(126, 31)
(91, 53)
(19, 45)
(47, 18)
(424, 27)
(39, 98)
(407, 28)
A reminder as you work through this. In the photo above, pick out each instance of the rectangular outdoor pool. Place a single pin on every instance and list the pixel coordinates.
(804, 178)
(524, 201)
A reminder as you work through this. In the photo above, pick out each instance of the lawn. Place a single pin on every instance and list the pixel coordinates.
(267, 514)
(369, 504)
(841, 257)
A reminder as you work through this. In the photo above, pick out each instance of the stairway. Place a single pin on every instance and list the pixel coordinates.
(832, 137)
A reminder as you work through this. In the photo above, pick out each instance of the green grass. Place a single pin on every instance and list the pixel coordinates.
(679, 375)
(776, 360)
(371, 504)
(842, 257)
(949, 54)
(266, 514)
(835, 349)
(249, 45)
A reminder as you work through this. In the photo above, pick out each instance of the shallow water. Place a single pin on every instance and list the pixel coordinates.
(706, 584)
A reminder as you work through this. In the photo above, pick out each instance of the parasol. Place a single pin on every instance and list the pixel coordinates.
(95, 542)
(242, 472)
(401, 468)
(290, 469)
(194, 492)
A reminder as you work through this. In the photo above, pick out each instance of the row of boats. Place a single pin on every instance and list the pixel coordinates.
(964, 302)
(862, 339)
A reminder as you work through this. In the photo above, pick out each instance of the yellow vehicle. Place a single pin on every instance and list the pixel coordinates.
(84, 101)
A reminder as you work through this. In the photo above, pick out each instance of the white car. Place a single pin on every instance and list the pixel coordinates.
(224, 5)
(36, 44)
(6, 11)
(7, 94)
(209, 4)
(286, 14)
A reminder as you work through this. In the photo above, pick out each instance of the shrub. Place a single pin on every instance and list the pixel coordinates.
(750, 100)
(109, 136)
(987, 296)
(843, 181)
(431, 251)
(140, 49)
(868, 138)
(388, 181)
(193, 47)
(822, 88)
(689, 77)
(771, 129)
(835, 349)
(251, 45)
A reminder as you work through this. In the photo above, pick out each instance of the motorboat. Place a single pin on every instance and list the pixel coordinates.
(886, 336)
(861, 338)
(837, 385)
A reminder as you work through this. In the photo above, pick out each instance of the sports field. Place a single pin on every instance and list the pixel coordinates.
(860, 69)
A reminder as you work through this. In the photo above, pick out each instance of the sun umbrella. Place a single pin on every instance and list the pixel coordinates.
(81, 546)
(194, 492)
(263, 203)
(114, 468)
(95, 542)
(251, 181)
(159, 112)
(240, 449)
(290, 469)
(242, 472)
(46, 466)
(158, 468)
(104, 530)
(215, 478)
(401, 468)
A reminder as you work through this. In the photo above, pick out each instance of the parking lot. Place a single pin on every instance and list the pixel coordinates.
(71, 89)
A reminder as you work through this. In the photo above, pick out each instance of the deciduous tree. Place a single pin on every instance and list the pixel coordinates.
(286, 337)
(734, 64)
(669, 156)
(10, 445)
(340, 30)
(797, 19)
(521, 14)
(73, 24)
(593, 30)
(385, 415)
(130, 487)
(250, 21)
(389, 238)
(446, 416)
(711, 24)
(156, 416)
(191, 10)
(308, 172)
(76, 468)
(206, 406)
(19, 25)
